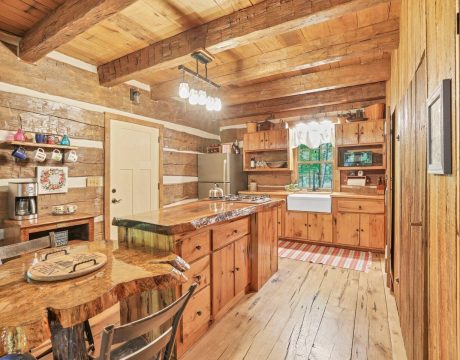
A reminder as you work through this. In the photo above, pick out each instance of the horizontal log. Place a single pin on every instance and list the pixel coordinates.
(182, 141)
(304, 84)
(89, 200)
(351, 44)
(367, 92)
(70, 19)
(265, 19)
(177, 192)
(183, 164)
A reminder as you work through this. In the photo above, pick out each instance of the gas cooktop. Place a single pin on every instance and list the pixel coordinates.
(251, 199)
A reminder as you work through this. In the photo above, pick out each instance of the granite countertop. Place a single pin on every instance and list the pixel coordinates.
(192, 216)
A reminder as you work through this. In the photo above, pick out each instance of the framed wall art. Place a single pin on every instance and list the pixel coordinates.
(439, 134)
(52, 179)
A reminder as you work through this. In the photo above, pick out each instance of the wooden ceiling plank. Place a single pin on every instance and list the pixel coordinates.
(69, 20)
(266, 19)
(303, 84)
(300, 57)
(367, 92)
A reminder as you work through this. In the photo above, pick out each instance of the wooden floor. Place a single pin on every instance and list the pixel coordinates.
(310, 311)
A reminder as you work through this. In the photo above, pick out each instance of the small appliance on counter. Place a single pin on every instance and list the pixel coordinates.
(22, 200)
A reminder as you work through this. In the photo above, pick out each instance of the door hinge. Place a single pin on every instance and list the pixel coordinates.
(458, 23)
(158, 186)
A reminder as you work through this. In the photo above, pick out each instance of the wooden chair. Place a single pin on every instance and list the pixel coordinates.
(136, 346)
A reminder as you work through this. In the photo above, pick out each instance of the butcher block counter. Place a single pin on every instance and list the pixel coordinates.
(232, 249)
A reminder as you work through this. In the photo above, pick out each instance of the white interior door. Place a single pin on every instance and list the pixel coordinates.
(134, 170)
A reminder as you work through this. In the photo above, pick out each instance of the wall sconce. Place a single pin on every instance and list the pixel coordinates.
(135, 96)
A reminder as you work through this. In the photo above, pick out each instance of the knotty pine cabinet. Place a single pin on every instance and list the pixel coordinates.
(308, 226)
(360, 133)
(359, 223)
(266, 140)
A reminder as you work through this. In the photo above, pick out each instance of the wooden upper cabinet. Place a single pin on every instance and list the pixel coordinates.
(241, 264)
(365, 132)
(276, 139)
(254, 141)
(320, 227)
(371, 132)
(347, 229)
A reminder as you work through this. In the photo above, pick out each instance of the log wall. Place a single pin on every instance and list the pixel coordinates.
(427, 253)
(52, 96)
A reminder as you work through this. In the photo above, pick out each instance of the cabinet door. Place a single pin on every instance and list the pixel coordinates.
(296, 224)
(371, 132)
(254, 141)
(338, 134)
(372, 231)
(241, 264)
(320, 227)
(223, 278)
(281, 215)
(276, 139)
(347, 229)
(350, 134)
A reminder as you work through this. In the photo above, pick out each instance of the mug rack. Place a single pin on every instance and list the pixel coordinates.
(17, 144)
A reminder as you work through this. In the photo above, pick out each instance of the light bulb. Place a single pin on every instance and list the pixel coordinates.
(202, 97)
(217, 104)
(193, 99)
(210, 103)
(184, 91)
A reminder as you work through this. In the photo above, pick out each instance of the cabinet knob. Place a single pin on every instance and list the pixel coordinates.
(357, 230)
(235, 231)
(237, 269)
(305, 224)
(362, 230)
(199, 313)
(197, 278)
(360, 207)
(397, 280)
(198, 247)
(309, 225)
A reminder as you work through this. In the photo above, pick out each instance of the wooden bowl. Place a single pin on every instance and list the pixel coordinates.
(276, 164)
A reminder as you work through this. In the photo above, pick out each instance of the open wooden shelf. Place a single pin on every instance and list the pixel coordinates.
(264, 150)
(380, 167)
(268, 170)
(40, 145)
(360, 145)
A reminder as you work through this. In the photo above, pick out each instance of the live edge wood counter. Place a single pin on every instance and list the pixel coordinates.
(232, 249)
(32, 312)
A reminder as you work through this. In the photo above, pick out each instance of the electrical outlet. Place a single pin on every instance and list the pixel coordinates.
(94, 181)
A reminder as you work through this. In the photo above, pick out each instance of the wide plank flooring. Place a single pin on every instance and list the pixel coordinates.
(310, 311)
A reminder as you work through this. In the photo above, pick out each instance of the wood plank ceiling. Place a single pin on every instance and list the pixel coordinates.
(271, 57)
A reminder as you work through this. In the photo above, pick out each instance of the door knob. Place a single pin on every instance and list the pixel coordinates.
(116, 201)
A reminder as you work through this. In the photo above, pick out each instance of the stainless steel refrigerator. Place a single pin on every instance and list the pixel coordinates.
(226, 170)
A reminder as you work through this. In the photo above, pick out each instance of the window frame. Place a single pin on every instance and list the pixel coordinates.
(297, 162)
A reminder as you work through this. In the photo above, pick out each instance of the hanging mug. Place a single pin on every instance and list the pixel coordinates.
(56, 155)
(19, 153)
(40, 155)
(72, 156)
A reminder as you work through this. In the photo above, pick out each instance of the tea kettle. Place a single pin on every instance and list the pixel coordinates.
(216, 192)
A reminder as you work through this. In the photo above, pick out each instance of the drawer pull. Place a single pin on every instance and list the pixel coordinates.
(199, 313)
(235, 231)
(197, 278)
(237, 269)
(198, 247)
(360, 207)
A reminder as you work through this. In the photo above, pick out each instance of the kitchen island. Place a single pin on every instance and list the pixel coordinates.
(232, 249)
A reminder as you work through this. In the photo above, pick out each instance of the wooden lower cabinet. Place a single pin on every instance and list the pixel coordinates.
(242, 265)
(308, 226)
(347, 229)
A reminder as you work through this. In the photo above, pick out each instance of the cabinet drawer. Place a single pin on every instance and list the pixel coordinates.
(200, 272)
(226, 233)
(361, 206)
(197, 313)
(196, 246)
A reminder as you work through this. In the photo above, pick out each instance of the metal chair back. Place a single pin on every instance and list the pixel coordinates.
(112, 335)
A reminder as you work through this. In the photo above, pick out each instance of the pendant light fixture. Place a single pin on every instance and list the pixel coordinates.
(202, 95)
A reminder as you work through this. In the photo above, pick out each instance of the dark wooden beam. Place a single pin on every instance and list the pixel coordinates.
(266, 19)
(67, 21)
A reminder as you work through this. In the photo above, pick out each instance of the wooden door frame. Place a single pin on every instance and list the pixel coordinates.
(107, 121)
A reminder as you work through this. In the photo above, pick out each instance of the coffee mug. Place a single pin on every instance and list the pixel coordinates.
(72, 156)
(39, 138)
(56, 155)
(71, 208)
(58, 209)
(19, 153)
(50, 139)
(40, 155)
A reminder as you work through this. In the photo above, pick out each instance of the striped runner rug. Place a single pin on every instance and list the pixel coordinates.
(326, 255)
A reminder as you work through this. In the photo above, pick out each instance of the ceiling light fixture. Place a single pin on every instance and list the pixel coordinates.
(204, 95)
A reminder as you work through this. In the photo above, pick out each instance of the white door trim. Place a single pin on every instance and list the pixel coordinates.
(108, 117)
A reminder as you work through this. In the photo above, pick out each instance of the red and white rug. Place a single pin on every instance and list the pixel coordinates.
(326, 255)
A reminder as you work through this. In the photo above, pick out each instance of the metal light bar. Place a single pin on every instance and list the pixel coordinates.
(198, 76)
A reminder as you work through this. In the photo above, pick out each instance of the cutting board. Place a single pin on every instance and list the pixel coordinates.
(66, 266)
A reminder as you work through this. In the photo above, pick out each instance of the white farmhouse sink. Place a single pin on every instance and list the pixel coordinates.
(310, 202)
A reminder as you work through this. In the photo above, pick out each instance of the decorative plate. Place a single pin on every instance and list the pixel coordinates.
(51, 180)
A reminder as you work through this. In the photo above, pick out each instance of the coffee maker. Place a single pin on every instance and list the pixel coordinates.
(22, 200)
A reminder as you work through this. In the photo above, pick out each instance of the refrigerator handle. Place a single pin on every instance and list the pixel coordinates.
(225, 171)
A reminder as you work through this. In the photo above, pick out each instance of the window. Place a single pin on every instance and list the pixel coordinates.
(315, 167)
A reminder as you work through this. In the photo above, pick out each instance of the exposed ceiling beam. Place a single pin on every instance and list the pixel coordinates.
(375, 91)
(303, 84)
(266, 19)
(70, 19)
(300, 114)
(383, 36)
